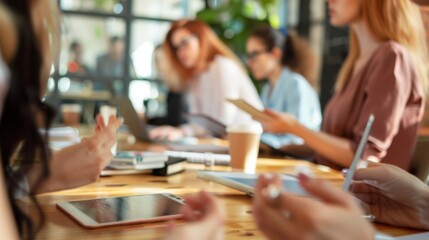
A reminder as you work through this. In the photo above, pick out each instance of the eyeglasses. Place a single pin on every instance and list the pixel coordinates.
(252, 55)
(183, 43)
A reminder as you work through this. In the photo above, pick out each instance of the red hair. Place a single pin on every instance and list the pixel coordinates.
(210, 46)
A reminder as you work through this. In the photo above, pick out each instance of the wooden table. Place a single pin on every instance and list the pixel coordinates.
(239, 223)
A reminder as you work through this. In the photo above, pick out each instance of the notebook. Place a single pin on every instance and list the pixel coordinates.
(133, 160)
(246, 182)
(202, 158)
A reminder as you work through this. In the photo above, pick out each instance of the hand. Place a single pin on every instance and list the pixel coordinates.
(392, 195)
(167, 133)
(79, 164)
(334, 216)
(205, 216)
(278, 123)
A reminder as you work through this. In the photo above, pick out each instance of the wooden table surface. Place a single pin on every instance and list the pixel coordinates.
(239, 223)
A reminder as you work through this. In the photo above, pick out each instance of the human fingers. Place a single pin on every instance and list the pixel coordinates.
(272, 113)
(271, 220)
(264, 181)
(375, 172)
(158, 133)
(188, 213)
(99, 120)
(115, 122)
(195, 205)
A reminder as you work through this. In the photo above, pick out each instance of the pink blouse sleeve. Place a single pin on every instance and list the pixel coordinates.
(387, 90)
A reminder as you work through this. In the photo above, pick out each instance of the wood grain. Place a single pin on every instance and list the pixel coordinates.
(239, 223)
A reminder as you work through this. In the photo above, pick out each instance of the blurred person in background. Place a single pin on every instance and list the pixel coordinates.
(385, 74)
(175, 102)
(28, 166)
(210, 73)
(110, 66)
(76, 66)
(289, 65)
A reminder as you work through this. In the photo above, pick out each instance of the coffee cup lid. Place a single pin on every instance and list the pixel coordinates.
(253, 127)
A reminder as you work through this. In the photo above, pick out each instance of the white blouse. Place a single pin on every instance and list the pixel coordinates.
(222, 80)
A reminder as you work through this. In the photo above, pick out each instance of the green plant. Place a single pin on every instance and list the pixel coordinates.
(233, 22)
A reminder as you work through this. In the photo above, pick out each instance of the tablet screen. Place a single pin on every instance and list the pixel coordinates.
(120, 209)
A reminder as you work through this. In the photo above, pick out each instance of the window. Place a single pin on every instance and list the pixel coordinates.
(108, 45)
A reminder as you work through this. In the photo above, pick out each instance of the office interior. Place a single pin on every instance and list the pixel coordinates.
(140, 26)
(108, 51)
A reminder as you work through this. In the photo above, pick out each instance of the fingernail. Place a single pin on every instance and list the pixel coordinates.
(273, 191)
(345, 171)
(303, 169)
(303, 177)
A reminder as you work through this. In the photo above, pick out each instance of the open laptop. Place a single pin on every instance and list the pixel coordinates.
(246, 182)
(137, 125)
(140, 129)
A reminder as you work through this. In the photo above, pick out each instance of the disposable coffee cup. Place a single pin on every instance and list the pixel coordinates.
(244, 146)
(106, 111)
(71, 114)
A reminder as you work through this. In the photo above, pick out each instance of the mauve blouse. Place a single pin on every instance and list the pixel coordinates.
(388, 87)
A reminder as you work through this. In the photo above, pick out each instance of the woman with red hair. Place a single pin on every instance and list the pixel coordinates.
(210, 73)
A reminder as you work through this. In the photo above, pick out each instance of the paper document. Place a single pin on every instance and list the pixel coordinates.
(249, 109)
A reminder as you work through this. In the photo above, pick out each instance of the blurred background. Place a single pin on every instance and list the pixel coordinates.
(108, 45)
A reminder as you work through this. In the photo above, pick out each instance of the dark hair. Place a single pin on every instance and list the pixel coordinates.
(115, 39)
(74, 45)
(296, 52)
(18, 127)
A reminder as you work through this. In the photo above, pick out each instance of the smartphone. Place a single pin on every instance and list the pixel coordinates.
(103, 212)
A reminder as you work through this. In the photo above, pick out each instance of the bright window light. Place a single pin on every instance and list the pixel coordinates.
(64, 84)
(142, 59)
(139, 91)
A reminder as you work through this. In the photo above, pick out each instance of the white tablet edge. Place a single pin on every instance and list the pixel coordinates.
(219, 177)
(88, 222)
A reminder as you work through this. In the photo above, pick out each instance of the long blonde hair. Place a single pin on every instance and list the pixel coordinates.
(396, 20)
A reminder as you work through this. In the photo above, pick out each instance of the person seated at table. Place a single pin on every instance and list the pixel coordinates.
(387, 192)
(211, 73)
(76, 65)
(28, 167)
(288, 63)
(385, 74)
(176, 104)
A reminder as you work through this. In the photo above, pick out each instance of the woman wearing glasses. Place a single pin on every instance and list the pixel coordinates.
(211, 73)
(289, 65)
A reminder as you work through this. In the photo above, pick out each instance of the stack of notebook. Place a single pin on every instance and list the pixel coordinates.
(138, 160)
